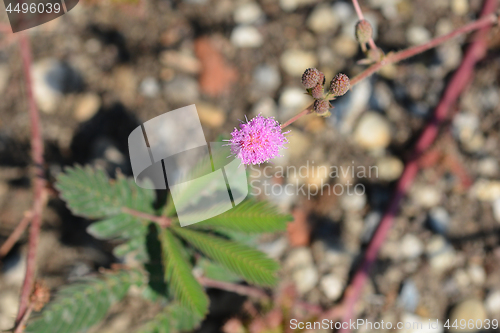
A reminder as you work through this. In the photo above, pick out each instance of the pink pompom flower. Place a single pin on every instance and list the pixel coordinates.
(258, 140)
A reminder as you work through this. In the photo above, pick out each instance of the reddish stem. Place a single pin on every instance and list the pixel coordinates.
(297, 116)
(38, 180)
(16, 234)
(162, 221)
(233, 287)
(359, 12)
(456, 85)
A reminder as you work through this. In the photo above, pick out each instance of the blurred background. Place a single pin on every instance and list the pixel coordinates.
(107, 66)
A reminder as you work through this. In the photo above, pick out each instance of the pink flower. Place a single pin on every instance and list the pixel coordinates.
(258, 140)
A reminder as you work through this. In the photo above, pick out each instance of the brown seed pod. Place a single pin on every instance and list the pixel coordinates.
(364, 31)
(317, 92)
(311, 77)
(321, 106)
(340, 84)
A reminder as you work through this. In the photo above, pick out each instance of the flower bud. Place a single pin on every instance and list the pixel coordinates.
(340, 84)
(311, 77)
(364, 31)
(317, 92)
(321, 106)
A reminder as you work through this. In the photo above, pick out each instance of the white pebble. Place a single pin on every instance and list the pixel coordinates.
(246, 36)
(496, 209)
(373, 131)
(417, 35)
(411, 246)
(294, 62)
(247, 13)
(332, 286)
(492, 302)
(323, 19)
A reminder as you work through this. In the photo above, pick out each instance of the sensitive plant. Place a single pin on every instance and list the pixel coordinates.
(166, 255)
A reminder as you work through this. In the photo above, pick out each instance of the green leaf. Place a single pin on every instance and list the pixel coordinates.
(249, 217)
(178, 275)
(82, 305)
(216, 271)
(90, 193)
(254, 266)
(173, 318)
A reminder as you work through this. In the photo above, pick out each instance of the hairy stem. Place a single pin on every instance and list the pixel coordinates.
(355, 3)
(457, 84)
(391, 58)
(233, 287)
(162, 221)
(38, 181)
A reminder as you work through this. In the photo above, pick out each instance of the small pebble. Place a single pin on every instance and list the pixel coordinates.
(299, 257)
(87, 107)
(409, 296)
(323, 19)
(267, 78)
(149, 87)
(291, 5)
(411, 246)
(182, 89)
(305, 279)
(266, 106)
(373, 131)
(246, 37)
(426, 196)
(488, 167)
(418, 324)
(211, 115)
(492, 302)
(247, 13)
(294, 62)
(389, 168)
(496, 209)
(471, 309)
(291, 101)
(477, 274)
(486, 190)
(439, 220)
(332, 286)
(460, 7)
(417, 35)
(440, 253)
(353, 202)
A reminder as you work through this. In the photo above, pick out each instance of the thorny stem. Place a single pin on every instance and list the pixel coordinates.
(16, 234)
(407, 53)
(162, 221)
(361, 17)
(455, 87)
(38, 181)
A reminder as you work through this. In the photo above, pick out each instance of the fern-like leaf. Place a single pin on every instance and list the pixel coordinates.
(178, 275)
(249, 217)
(82, 305)
(173, 318)
(254, 266)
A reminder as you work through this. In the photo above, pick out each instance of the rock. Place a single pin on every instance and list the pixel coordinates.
(460, 7)
(373, 131)
(299, 257)
(4, 77)
(295, 62)
(345, 46)
(477, 274)
(274, 249)
(51, 80)
(439, 220)
(353, 202)
(409, 296)
(488, 167)
(247, 13)
(217, 75)
(87, 106)
(149, 87)
(492, 302)
(125, 83)
(14, 269)
(266, 106)
(426, 196)
(372, 220)
(266, 78)
(471, 309)
(411, 246)
(496, 209)
(291, 5)
(246, 36)
(486, 190)
(466, 130)
(417, 35)
(9, 302)
(181, 90)
(417, 324)
(305, 279)
(291, 101)
(211, 115)
(389, 168)
(323, 19)
(441, 254)
(332, 286)
(343, 11)
(181, 61)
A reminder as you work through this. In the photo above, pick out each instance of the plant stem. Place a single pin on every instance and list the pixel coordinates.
(407, 53)
(16, 234)
(359, 12)
(38, 180)
(233, 287)
(22, 323)
(457, 84)
(162, 221)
